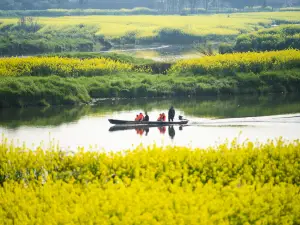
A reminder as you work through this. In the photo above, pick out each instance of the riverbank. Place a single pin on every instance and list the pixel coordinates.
(152, 185)
(54, 90)
(31, 81)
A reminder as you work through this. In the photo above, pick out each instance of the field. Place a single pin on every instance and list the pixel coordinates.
(241, 184)
(239, 62)
(149, 26)
(70, 33)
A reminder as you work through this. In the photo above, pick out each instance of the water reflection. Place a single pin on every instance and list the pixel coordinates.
(171, 131)
(204, 107)
(144, 130)
(88, 125)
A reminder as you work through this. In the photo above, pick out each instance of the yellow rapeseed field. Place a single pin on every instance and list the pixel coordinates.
(218, 64)
(149, 26)
(239, 62)
(249, 183)
(65, 67)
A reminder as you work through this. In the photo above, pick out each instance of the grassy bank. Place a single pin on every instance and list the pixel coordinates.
(87, 33)
(54, 90)
(241, 184)
(29, 91)
(28, 81)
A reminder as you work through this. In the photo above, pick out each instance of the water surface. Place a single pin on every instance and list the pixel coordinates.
(157, 52)
(212, 121)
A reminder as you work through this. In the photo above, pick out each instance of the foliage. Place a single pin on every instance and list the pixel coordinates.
(290, 9)
(77, 12)
(241, 184)
(113, 56)
(226, 48)
(53, 90)
(205, 48)
(230, 64)
(143, 85)
(25, 37)
(278, 38)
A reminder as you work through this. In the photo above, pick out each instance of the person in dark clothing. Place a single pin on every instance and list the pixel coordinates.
(146, 118)
(171, 114)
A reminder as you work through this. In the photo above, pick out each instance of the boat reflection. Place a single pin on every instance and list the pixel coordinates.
(143, 130)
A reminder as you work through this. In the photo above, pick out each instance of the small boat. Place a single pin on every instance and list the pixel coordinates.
(156, 123)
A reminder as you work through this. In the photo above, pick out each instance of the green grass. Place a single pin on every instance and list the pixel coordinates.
(277, 38)
(53, 90)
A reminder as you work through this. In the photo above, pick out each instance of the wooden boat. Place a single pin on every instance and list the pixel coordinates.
(156, 123)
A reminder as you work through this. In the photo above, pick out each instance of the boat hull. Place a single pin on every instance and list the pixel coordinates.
(157, 123)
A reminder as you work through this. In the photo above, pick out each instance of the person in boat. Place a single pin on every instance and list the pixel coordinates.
(137, 118)
(146, 118)
(171, 114)
(140, 117)
(159, 117)
(163, 117)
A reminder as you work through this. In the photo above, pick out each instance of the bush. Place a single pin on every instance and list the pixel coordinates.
(226, 48)
(278, 38)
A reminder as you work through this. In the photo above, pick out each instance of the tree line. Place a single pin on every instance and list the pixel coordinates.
(174, 6)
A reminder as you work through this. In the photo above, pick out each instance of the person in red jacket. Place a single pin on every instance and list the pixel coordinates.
(137, 118)
(159, 117)
(140, 117)
(163, 117)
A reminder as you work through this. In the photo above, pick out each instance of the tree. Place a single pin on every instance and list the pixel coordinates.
(193, 4)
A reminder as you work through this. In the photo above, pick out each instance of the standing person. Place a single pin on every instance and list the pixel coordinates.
(146, 118)
(171, 114)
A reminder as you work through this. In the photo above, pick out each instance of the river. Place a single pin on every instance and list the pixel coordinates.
(213, 120)
(157, 52)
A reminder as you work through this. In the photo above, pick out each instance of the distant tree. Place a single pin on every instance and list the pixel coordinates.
(83, 2)
(265, 4)
(6, 4)
(193, 4)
